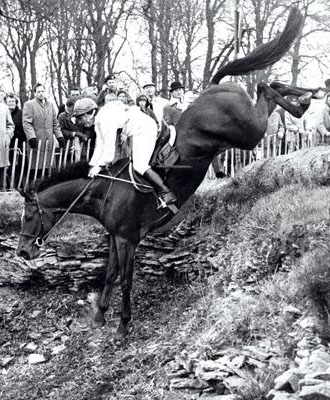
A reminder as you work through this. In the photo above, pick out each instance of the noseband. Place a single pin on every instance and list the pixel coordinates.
(39, 239)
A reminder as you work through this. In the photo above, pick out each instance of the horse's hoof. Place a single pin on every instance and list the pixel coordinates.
(306, 98)
(98, 321)
(121, 334)
(319, 94)
(98, 324)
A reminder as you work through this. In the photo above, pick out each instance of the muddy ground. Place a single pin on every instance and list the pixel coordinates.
(83, 363)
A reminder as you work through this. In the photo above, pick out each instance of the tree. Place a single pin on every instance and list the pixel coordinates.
(21, 33)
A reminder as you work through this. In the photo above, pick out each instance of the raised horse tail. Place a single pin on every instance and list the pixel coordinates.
(266, 54)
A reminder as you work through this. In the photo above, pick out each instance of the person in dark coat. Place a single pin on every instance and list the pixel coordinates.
(40, 124)
(16, 115)
(141, 101)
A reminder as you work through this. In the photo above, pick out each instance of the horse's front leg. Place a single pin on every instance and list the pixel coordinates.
(111, 276)
(125, 251)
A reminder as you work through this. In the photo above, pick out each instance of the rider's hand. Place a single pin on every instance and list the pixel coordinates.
(33, 143)
(94, 171)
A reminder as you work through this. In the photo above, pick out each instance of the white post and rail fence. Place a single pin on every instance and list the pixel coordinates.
(28, 165)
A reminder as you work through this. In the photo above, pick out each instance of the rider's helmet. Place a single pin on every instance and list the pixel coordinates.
(84, 106)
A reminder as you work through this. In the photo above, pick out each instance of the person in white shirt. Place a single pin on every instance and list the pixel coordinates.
(155, 103)
(134, 123)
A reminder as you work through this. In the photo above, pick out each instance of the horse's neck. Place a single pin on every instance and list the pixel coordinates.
(62, 195)
(184, 182)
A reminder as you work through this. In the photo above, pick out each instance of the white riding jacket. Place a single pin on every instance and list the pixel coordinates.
(134, 122)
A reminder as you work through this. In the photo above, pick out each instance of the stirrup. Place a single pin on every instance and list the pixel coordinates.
(167, 200)
(167, 197)
(162, 205)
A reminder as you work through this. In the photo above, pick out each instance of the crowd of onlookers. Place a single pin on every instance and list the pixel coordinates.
(40, 125)
(291, 133)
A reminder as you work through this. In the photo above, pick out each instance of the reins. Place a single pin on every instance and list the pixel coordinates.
(124, 180)
(40, 239)
(43, 237)
(67, 210)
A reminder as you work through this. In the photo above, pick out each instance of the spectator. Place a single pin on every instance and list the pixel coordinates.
(141, 101)
(173, 110)
(69, 130)
(323, 123)
(110, 84)
(74, 93)
(16, 115)
(6, 133)
(109, 97)
(189, 97)
(327, 85)
(275, 133)
(155, 103)
(41, 125)
(104, 97)
(90, 92)
(122, 96)
(295, 127)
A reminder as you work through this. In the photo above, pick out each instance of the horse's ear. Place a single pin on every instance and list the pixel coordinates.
(21, 192)
(28, 195)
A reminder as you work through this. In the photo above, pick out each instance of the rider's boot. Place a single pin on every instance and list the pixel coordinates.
(162, 190)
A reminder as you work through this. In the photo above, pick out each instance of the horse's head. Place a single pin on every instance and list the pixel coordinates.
(35, 223)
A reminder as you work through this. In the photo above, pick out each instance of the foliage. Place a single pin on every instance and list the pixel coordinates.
(188, 40)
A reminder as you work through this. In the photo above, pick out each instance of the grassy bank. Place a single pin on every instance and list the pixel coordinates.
(272, 251)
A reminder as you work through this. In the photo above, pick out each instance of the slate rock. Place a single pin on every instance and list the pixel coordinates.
(317, 392)
(288, 380)
(36, 359)
(188, 383)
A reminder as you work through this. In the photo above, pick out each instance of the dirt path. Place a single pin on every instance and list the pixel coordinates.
(82, 363)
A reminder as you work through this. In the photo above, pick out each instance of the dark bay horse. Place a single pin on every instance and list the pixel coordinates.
(221, 118)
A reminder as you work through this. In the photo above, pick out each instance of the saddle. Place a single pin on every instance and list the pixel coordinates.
(140, 183)
(164, 154)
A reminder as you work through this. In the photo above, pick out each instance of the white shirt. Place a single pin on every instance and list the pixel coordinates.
(134, 122)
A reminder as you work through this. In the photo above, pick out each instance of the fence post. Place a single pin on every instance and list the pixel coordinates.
(23, 165)
(13, 166)
(44, 160)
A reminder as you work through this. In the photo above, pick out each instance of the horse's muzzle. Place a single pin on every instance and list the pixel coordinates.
(27, 250)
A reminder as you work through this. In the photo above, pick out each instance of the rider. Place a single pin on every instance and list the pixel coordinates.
(135, 123)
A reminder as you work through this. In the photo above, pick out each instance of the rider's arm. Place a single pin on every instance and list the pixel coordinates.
(107, 121)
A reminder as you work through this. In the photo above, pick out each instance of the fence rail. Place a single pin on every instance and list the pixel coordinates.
(27, 165)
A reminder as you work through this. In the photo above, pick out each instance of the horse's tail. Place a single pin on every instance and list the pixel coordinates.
(266, 54)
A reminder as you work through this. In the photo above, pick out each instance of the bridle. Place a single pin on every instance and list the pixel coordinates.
(41, 237)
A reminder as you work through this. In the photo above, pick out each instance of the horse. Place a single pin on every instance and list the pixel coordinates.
(222, 117)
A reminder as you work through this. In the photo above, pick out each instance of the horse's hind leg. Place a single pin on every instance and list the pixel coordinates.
(274, 97)
(111, 275)
(125, 251)
(287, 90)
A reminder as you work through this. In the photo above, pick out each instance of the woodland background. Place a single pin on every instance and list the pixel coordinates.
(65, 44)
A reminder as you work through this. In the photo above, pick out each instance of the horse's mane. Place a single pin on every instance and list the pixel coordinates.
(73, 171)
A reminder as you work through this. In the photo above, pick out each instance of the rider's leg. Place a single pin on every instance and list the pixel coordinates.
(162, 190)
